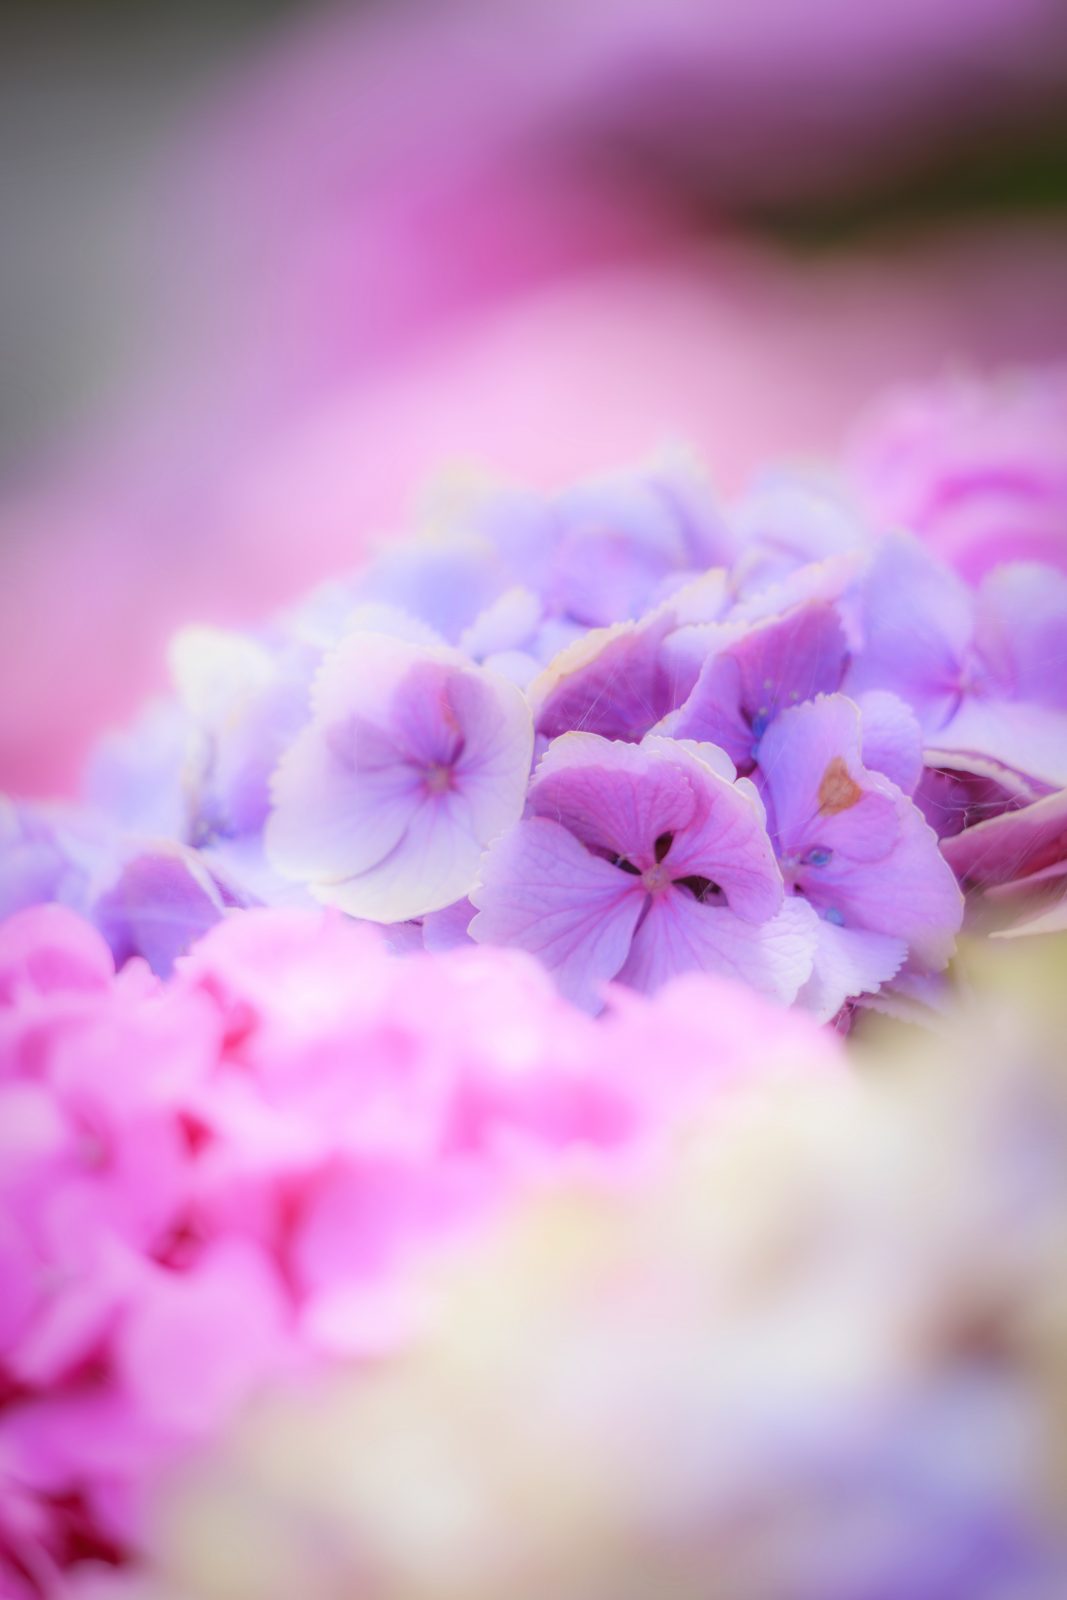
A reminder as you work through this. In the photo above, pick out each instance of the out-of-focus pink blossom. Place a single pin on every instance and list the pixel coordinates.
(210, 1183)
(977, 469)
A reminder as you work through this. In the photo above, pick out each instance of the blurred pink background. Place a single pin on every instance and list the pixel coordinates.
(393, 239)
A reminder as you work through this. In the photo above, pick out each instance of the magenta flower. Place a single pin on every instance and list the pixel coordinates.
(414, 761)
(983, 673)
(637, 863)
(858, 851)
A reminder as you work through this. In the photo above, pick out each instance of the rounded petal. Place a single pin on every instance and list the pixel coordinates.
(848, 962)
(1032, 739)
(331, 818)
(726, 839)
(542, 891)
(679, 934)
(615, 797)
(917, 622)
(892, 738)
(820, 793)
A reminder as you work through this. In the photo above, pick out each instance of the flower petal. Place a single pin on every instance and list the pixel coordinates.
(726, 839)
(1014, 845)
(617, 798)
(821, 795)
(917, 620)
(892, 738)
(1021, 632)
(542, 891)
(434, 863)
(615, 681)
(1032, 739)
(332, 817)
(681, 935)
(848, 962)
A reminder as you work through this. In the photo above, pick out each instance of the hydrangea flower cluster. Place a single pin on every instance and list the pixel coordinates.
(821, 1354)
(420, 896)
(617, 727)
(216, 1182)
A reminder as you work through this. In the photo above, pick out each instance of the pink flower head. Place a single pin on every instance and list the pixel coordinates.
(859, 853)
(414, 760)
(638, 863)
(977, 469)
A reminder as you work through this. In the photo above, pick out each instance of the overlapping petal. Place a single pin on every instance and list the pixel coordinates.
(414, 761)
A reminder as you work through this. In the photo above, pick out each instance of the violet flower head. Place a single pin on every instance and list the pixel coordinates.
(859, 853)
(413, 762)
(638, 863)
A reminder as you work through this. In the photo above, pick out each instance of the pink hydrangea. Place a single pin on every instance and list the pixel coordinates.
(214, 1182)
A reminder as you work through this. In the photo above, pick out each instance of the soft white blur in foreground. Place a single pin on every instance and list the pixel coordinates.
(824, 1356)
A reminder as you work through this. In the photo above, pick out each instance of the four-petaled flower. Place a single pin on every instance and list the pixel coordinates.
(413, 762)
(638, 862)
(858, 851)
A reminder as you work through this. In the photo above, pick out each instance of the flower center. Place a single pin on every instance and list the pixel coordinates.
(438, 778)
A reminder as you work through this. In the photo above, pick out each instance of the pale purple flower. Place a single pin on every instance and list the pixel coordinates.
(858, 851)
(984, 673)
(638, 863)
(413, 762)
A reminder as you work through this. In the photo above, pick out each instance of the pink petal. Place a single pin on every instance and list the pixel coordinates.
(196, 1344)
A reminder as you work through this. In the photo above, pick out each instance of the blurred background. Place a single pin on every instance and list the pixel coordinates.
(268, 269)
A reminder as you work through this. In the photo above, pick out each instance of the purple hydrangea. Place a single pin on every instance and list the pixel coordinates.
(638, 863)
(372, 749)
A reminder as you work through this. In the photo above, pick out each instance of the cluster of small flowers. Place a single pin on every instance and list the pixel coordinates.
(627, 733)
(214, 1182)
(821, 1354)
